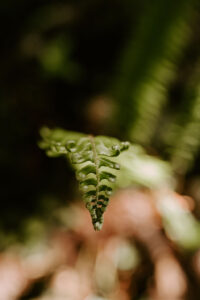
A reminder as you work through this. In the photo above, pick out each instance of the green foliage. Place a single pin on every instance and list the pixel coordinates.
(92, 159)
(140, 169)
(147, 67)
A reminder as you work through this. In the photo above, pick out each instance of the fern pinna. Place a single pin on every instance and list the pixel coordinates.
(92, 159)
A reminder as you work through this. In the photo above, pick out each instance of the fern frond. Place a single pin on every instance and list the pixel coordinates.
(92, 159)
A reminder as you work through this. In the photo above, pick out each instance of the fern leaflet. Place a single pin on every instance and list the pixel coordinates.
(92, 160)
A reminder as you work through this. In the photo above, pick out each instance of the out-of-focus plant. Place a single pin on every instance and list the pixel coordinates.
(140, 169)
(148, 67)
(184, 135)
(181, 226)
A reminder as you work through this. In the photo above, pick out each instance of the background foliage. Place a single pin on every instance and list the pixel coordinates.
(128, 69)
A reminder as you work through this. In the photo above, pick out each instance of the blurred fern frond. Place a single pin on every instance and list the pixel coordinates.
(148, 65)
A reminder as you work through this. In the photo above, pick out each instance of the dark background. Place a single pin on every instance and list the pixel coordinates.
(89, 37)
(57, 57)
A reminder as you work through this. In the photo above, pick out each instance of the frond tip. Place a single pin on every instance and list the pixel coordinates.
(92, 159)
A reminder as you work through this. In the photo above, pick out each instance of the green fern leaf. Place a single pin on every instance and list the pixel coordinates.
(92, 160)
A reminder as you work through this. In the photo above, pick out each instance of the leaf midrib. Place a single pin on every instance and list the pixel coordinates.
(96, 163)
